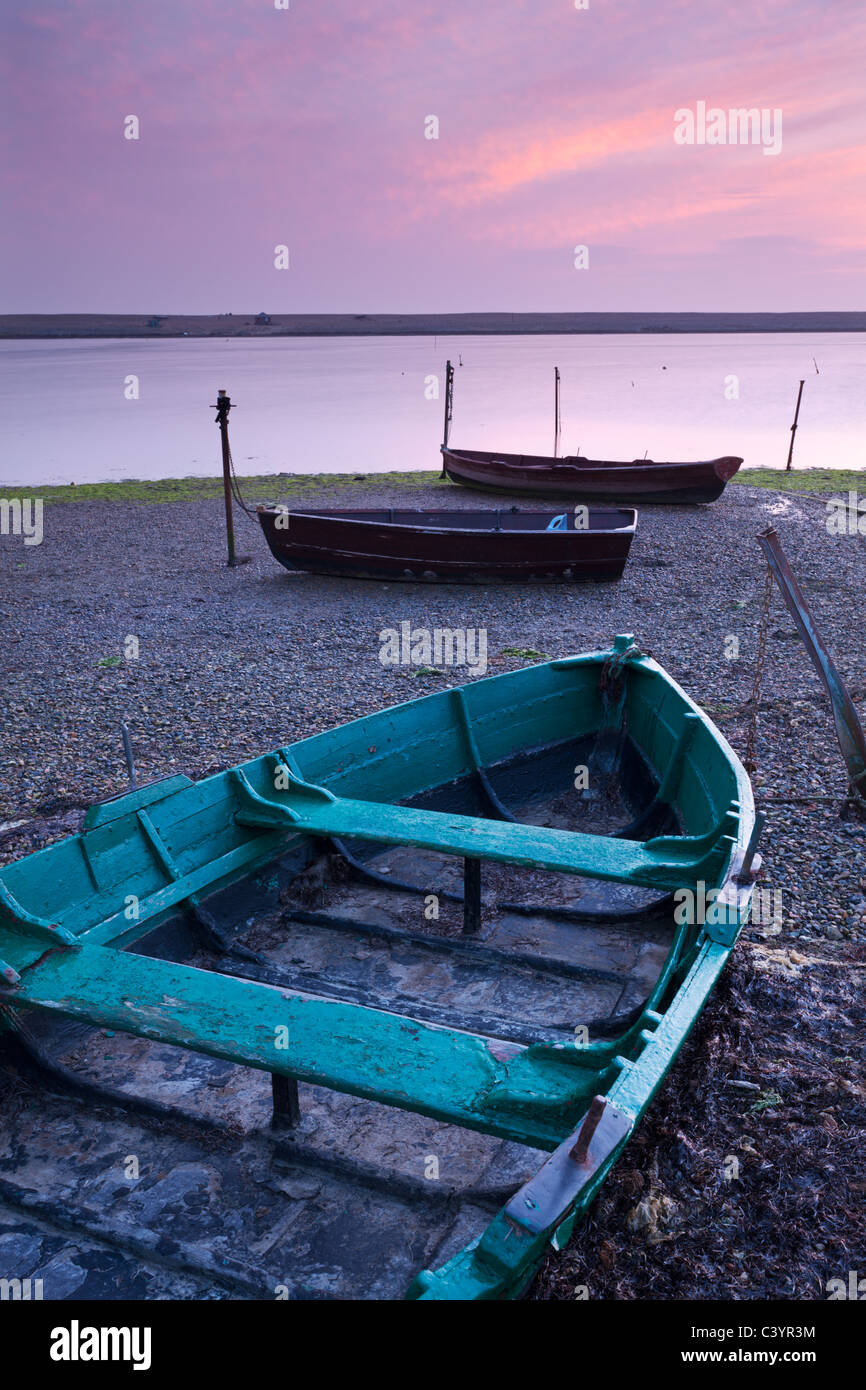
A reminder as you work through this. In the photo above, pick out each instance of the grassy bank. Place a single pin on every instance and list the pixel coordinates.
(818, 480)
(261, 487)
(284, 486)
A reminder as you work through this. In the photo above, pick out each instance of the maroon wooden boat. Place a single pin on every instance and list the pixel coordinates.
(453, 546)
(578, 478)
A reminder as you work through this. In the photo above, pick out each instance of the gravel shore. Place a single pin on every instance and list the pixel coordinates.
(234, 662)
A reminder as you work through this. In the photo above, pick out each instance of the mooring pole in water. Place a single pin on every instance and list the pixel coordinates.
(557, 418)
(222, 407)
(449, 403)
(794, 429)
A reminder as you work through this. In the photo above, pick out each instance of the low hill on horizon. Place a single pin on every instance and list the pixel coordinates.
(264, 325)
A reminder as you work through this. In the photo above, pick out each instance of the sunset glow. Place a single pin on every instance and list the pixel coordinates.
(306, 127)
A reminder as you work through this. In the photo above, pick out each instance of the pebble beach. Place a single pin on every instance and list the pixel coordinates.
(234, 662)
(127, 612)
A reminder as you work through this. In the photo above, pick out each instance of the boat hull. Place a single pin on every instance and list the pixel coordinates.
(436, 1066)
(452, 546)
(588, 479)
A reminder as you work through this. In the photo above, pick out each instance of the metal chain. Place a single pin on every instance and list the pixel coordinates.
(754, 700)
(236, 490)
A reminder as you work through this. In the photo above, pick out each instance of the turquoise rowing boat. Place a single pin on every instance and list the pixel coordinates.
(465, 936)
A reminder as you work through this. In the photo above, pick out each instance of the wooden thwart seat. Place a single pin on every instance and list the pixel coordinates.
(668, 862)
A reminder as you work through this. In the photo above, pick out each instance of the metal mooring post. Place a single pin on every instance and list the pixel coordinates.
(849, 730)
(794, 429)
(222, 407)
(557, 417)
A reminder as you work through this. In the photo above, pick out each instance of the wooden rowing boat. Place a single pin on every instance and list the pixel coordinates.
(456, 546)
(471, 1059)
(577, 478)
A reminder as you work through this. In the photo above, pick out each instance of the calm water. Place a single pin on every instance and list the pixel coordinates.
(359, 404)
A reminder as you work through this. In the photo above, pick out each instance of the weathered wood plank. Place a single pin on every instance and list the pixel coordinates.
(491, 1085)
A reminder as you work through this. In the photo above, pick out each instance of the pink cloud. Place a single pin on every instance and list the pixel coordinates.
(555, 127)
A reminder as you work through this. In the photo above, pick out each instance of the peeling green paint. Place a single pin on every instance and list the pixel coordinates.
(67, 912)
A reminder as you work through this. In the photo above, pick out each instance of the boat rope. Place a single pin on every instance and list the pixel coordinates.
(236, 488)
(611, 679)
(806, 799)
(612, 688)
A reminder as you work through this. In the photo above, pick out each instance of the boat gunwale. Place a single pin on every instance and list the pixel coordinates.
(277, 843)
(489, 1269)
(642, 1055)
(581, 464)
(396, 527)
(640, 662)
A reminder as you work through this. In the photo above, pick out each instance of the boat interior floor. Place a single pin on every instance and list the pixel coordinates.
(133, 1169)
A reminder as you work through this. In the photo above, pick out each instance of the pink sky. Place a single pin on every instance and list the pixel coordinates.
(305, 127)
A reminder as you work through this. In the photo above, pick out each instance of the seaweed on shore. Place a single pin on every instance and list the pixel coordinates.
(745, 1179)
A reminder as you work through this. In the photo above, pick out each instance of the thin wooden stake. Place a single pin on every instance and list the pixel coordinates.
(223, 406)
(449, 403)
(794, 429)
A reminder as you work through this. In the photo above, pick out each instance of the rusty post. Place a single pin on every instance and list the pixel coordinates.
(794, 429)
(557, 418)
(223, 406)
(849, 730)
(580, 1152)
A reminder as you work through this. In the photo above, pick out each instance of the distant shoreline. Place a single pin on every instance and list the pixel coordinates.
(426, 325)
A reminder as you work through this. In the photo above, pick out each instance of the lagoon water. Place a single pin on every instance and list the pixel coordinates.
(310, 405)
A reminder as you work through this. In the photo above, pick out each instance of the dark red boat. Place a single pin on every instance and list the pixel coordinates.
(576, 478)
(454, 546)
